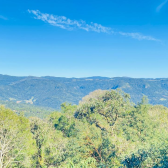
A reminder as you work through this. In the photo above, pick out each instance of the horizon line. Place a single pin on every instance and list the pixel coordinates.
(34, 76)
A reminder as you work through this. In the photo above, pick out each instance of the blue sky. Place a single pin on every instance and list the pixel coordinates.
(72, 38)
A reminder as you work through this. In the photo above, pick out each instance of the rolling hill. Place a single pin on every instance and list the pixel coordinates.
(52, 91)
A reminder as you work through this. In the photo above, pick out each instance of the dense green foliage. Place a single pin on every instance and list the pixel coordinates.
(105, 130)
(52, 91)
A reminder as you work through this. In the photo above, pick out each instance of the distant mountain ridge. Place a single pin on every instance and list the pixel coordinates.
(51, 91)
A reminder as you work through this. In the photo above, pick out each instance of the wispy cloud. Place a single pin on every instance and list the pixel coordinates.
(139, 36)
(161, 5)
(2, 17)
(68, 24)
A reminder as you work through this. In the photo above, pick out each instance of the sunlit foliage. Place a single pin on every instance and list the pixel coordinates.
(105, 130)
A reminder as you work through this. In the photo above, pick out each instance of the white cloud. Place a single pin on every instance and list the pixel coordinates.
(161, 5)
(68, 24)
(2, 17)
(65, 23)
(138, 36)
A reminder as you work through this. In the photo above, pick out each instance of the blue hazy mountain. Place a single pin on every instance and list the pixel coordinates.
(52, 91)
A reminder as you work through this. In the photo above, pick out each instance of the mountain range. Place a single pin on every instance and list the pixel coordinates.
(51, 92)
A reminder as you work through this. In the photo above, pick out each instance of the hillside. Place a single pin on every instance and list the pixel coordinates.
(29, 110)
(52, 91)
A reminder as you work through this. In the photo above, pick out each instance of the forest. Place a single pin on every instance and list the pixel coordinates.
(106, 129)
(51, 92)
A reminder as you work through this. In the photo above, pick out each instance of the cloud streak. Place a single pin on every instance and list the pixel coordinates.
(161, 5)
(68, 24)
(138, 36)
(2, 17)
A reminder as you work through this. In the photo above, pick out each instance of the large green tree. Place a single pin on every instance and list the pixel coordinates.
(16, 143)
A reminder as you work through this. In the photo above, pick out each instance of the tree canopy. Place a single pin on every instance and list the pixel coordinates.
(105, 130)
